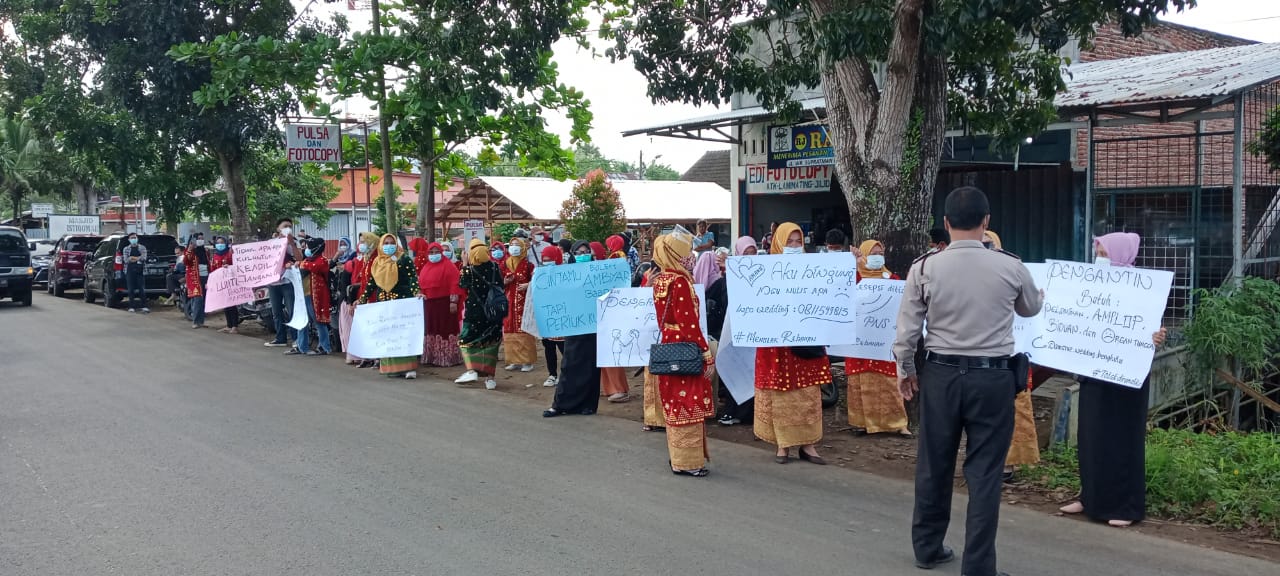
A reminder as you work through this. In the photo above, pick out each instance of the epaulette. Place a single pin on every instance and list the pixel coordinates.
(1008, 253)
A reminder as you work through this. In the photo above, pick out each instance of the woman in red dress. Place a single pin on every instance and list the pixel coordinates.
(221, 257)
(418, 248)
(788, 394)
(875, 404)
(438, 282)
(521, 347)
(686, 400)
(192, 261)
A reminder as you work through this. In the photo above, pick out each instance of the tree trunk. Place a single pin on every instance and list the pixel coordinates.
(237, 197)
(427, 189)
(83, 192)
(384, 136)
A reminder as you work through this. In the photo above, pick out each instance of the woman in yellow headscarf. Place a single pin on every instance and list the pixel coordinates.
(686, 400)
(1025, 448)
(392, 277)
(517, 272)
(788, 394)
(480, 334)
(875, 404)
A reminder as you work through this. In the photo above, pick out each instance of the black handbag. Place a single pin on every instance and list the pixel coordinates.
(676, 358)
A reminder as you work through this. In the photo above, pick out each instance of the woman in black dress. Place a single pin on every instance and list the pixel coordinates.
(1113, 426)
(578, 388)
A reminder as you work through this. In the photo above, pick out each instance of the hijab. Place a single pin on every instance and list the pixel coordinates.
(224, 241)
(371, 240)
(781, 235)
(513, 262)
(385, 269)
(1122, 247)
(477, 252)
(740, 247)
(573, 252)
(706, 271)
(419, 247)
(553, 254)
(670, 252)
(995, 239)
(345, 256)
(316, 245)
(597, 251)
(865, 272)
(617, 246)
(437, 279)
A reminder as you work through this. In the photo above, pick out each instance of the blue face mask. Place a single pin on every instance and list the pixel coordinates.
(220, 246)
(308, 253)
(389, 249)
(434, 258)
(448, 254)
(582, 258)
(364, 248)
(133, 240)
(497, 254)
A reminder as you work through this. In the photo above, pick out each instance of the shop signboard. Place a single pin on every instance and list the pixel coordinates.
(313, 143)
(764, 180)
(797, 146)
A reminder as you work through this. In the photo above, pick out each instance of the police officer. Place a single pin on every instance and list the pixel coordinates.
(968, 296)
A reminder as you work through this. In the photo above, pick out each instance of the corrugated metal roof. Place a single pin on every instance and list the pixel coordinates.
(644, 200)
(727, 118)
(1168, 77)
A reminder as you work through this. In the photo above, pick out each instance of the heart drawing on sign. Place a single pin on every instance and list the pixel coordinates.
(748, 271)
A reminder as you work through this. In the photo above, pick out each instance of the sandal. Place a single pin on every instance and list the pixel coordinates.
(699, 473)
(652, 428)
(619, 398)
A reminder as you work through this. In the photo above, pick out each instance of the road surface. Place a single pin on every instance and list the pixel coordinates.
(136, 446)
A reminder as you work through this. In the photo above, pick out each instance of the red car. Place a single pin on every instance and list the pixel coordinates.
(69, 258)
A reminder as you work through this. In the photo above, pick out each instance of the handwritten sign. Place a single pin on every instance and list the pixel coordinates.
(565, 302)
(878, 301)
(390, 329)
(627, 324)
(1097, 321)
(736, 367)
(793, 299)
(225, 290)
(259, 263)
(298, 314)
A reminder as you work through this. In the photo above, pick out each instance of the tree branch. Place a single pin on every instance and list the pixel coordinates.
(899, 88)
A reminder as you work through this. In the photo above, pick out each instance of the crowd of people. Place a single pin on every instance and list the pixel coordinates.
(477, 305)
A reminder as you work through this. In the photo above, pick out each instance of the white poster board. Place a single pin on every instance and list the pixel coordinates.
(41, 209)
(736, 367)
(298, 319)
(390, 329)
(793, 299)
(473, 228)
(1097, 321)
(878, 301)
(627, 325)
(62, 224)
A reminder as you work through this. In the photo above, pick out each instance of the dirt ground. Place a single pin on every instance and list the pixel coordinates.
(887, 455)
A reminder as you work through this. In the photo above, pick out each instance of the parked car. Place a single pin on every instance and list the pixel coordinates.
(41, 261)
(16, 272)
(69, 257)
(104, 272)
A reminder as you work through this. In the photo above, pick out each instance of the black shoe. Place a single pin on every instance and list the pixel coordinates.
(729, 420)
(946, 555)
(587, 412)
(292, 352)
(551, 413)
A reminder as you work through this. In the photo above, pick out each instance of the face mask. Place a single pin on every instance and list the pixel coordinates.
(220, 246)
(582, 258)
(308, 253)
(364, 248)
(434, 258)
(792, 250)
(875, 261)
(286, 231)
(1102, 261)
(343, 249)
(411, 253)
(133, 240)
(199, 242)
(496, 254)
(448, 254)
(515, 250)
(389, 249)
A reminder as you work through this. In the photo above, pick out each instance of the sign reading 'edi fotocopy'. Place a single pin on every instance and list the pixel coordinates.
(793, 299)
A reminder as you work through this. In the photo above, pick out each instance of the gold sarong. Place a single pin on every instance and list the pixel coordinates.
(520, 348)
(653, 414)
(1025, 448)
(875, 404)
(688, 446)
(791, 418)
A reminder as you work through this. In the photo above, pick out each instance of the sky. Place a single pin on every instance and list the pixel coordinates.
(618, 100)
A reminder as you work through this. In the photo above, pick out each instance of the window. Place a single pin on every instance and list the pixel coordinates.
(81, 243)
(12, 241)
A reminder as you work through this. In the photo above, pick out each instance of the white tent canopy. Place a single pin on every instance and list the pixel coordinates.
(497, 199)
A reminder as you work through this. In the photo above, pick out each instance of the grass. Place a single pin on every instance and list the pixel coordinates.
(1229, 480)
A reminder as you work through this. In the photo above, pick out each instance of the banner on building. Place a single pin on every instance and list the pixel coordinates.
(313, 143)
(793, 299)
(62, 224)
(764, 180)
(41, 210)
(627, 325)
(797, 146)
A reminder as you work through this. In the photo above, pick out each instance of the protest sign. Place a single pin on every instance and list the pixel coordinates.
(793, 299)
(1097, 321)
(529, 324)
(390, 329)
(259, 263)
(298, 314)
(878, 301)
(566, 295)
(225, 290)
(627, 324)
(736, 367)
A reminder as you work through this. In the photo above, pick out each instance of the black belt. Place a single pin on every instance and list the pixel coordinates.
(975, 362)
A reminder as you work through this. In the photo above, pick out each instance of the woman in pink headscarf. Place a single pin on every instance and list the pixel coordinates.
(1113, 425)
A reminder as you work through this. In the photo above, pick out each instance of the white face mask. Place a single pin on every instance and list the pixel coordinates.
(793, 250)
(875, 261)
(1102, 261)
(515, 250)
(286, 231)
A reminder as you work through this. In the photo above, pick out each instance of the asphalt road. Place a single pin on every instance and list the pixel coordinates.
(136, 446)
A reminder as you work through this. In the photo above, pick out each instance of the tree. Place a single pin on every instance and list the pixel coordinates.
(1268, 143)
(19, 151)
(991, 66)
(594, 211)
(658, 171)
(379, 220)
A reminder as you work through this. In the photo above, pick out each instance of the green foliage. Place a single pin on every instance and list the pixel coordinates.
(503, 232)
(379, 221)
(1059, 469)
(1230, 480)
(1268, 143)
(660, 172)
(19, 154)
(278, 189)
(594, 211)
(1240, 324)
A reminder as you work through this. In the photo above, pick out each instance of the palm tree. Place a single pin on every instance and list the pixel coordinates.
(19, 156)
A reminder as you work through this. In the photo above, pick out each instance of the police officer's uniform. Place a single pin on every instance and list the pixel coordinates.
(968, 294)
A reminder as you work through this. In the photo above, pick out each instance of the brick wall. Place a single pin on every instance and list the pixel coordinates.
(1162, 38)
